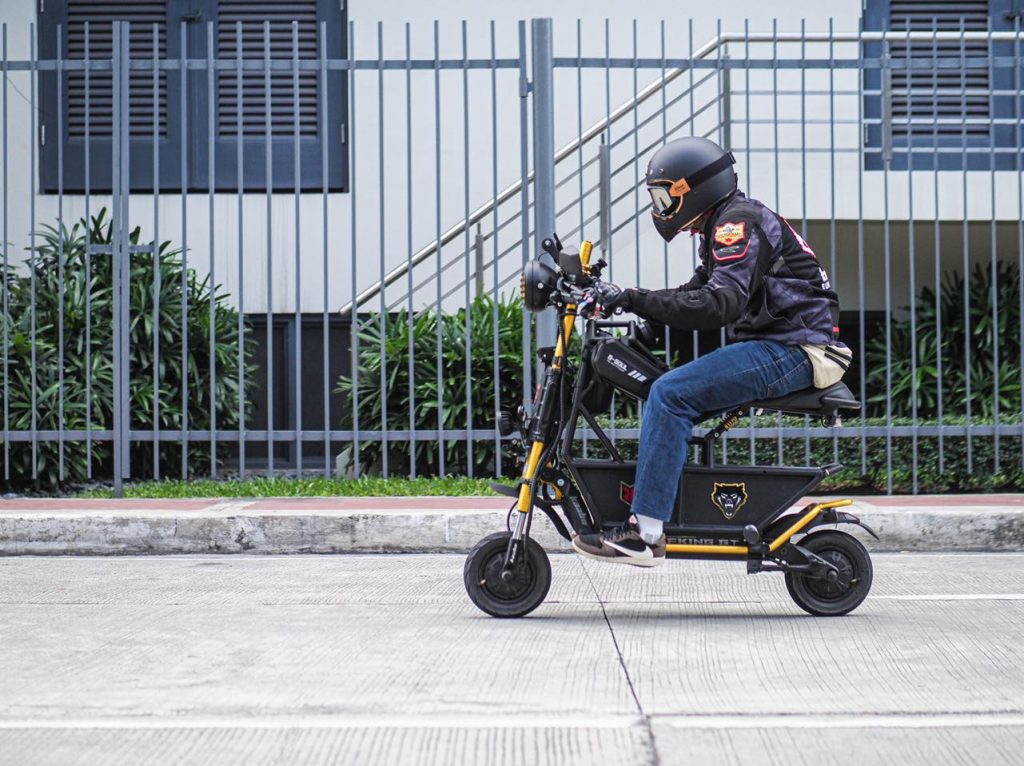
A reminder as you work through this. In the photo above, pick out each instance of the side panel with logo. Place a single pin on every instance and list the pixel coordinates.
(716, 499)
(739, 495)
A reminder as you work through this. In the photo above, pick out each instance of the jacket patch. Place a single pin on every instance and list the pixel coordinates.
(731, 253)
(730, 233)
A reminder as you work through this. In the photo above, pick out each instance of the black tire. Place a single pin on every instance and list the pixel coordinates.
(500, 599)
(822, 598)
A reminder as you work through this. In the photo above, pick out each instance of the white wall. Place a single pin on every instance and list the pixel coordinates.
(802, 191)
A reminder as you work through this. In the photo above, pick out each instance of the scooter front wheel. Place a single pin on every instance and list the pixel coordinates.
(513, 596)
(843, 594)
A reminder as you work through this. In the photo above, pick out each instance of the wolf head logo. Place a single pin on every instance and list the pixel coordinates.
(729, 498)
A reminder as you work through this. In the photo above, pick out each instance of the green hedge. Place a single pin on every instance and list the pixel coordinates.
(60, 279)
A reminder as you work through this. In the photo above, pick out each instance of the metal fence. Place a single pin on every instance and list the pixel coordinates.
(897, 154)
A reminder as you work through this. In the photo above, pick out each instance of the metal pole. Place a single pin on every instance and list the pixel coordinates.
(543, 153)
(478, 256)
(119, 248)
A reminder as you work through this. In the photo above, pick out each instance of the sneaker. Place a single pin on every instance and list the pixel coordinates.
(623, 545)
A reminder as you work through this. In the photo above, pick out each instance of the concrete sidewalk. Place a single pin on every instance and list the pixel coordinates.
(423, 524)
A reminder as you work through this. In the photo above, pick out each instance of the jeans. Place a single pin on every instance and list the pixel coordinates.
(725, 378)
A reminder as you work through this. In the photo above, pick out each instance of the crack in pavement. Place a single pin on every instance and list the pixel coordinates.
(655, 758)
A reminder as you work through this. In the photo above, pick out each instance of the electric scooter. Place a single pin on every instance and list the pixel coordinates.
(722, 512)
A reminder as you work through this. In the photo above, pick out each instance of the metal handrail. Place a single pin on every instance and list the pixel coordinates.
(513, 189)
(643, 95)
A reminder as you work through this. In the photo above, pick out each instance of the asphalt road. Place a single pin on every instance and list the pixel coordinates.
(383, 660)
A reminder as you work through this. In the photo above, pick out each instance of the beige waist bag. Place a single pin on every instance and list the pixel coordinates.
(829, 362)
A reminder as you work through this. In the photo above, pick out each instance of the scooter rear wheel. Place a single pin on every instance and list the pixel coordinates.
(831, 599)
(516, 597)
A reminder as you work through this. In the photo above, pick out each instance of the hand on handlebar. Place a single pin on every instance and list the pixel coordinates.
(604, 298)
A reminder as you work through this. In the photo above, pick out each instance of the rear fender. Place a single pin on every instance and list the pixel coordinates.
(832, 516)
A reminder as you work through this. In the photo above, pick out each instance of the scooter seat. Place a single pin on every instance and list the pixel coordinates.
(819, 402)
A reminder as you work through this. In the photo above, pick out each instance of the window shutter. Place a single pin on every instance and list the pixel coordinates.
(317, 132)
(933, 103)
(88, 133)
(943, 116)
(99, 15)
(256, 18)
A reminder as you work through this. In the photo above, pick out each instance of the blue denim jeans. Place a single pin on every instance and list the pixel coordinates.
(725, 378)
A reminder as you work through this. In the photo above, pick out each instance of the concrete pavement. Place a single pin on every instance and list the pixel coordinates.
(422, 524)
(370, 659)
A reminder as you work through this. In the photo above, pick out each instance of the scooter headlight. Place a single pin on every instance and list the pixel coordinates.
(537, 284)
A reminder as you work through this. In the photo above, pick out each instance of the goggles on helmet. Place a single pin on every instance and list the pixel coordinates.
(667, 196)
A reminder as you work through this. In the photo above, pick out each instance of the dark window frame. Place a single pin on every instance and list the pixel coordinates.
(193, 140)
(917, 148)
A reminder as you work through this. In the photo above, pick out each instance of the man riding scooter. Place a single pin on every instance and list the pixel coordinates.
(758, 279)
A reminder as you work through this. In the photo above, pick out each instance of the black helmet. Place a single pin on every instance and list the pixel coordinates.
(685, 179)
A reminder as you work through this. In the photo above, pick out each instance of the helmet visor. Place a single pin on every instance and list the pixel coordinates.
(661, 201)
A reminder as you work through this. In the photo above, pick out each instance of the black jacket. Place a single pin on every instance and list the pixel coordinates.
(758, 278)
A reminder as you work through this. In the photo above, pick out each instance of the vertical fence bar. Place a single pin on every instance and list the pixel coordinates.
(7, 388)
(775, 170)
(887, 128)
(496, 371)
(604, 193)
(751, 413)
(62, 254)
(994, 263)
(833, 272)
(118, 245)
(1018, 115)
(88, 255)
(860, 251)
(692, 121)
(664, 132)
(123, 229)
(381, 204)
(297, 191)
(437, 238)
(938, 248)
(966, 252)
(410, 330)
(34, 133)
(268, 153)
(524, 195)
(606, 244)
(324, 128)
(240, 202)
(579, 152)
(803, 187)
(156, 251)
(911, 252)
(211, 183)
(184, 149)
(354, 315)
(465, 231)
(636, 163)
(543, 154)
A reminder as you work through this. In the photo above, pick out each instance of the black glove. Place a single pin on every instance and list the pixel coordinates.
(611, 297)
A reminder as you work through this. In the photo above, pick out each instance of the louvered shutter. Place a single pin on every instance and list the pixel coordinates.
(181, 117)
(78, 111)
(944, 115)
(263, 25)
(931, 104)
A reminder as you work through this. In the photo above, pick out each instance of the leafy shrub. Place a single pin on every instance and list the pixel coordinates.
(422, 391)
(62, 272)
(985, 341)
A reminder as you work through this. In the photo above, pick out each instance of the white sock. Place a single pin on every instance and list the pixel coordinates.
(650, 528)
